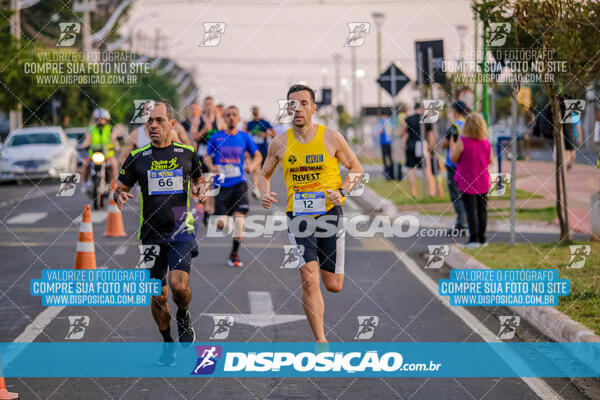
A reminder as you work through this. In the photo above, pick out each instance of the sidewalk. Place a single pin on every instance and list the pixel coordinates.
(582, 181)
(533, 176)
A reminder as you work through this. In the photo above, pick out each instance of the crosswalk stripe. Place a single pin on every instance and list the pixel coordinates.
(27, 218)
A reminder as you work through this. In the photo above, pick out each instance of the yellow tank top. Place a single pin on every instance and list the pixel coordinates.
(308, 171)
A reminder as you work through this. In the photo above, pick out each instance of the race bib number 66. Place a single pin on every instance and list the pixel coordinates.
(168, 181)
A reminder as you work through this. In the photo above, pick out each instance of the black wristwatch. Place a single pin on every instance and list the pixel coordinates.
(343, 192)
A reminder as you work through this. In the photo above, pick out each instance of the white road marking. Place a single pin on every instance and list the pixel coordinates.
(97, 217)
(27, 218)
(260, 303)
(32, 331)
(538, 385)
(119, 251)
(262, 312)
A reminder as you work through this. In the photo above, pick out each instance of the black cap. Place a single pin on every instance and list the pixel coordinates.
(460, 107)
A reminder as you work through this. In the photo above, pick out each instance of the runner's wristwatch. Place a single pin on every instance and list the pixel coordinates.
(343, 192)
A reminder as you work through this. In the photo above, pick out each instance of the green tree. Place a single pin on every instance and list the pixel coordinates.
(562, 30)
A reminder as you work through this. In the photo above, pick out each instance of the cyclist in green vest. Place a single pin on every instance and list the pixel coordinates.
(100, 136)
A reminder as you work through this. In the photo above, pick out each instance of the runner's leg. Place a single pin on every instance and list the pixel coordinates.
(312, 299)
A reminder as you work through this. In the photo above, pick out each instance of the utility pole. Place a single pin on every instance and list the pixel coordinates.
(353, 65)
(379, 17)
(16, 116)
(336, 75)
(513, 166)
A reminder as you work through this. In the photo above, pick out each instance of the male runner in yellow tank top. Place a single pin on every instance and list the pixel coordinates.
(310, 155)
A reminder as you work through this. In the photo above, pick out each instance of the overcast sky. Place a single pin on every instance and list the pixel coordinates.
(267, 47)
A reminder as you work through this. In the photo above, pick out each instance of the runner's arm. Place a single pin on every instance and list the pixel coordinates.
(122, 195)
(256, 160)
(274, 154)
(348, 159)
(208, 160)
(182, 137)
(128, 147)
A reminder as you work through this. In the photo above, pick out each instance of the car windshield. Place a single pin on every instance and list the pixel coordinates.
(34, 138)
(79, 136)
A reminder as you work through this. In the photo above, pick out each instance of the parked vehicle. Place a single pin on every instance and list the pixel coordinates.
(37, 152)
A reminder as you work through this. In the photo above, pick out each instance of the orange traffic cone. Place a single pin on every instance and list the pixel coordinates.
(114, 223)
(86, 255)
(5, 394)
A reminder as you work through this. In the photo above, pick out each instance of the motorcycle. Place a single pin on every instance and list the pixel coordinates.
(100, 177)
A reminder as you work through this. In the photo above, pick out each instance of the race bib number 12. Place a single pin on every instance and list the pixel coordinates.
(168, 181)
(309, 203)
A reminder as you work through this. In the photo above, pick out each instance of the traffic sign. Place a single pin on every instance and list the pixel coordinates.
(393, 80)
(437, 47)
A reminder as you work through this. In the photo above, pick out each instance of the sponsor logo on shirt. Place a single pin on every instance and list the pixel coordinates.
(314, 158)
(306, 177)
(164, 164)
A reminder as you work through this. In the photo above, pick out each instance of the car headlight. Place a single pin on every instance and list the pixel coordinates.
(98, 158)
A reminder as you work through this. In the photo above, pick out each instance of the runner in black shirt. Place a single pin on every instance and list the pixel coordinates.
(167, 172)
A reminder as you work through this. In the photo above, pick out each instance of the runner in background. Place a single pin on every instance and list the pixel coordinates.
(262, 132)
(201, 129)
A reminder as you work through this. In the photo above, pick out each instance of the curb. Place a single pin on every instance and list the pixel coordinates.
(548, 320)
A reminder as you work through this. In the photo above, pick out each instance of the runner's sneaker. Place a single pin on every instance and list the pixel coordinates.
(234, 260)
(167, 357)
(184, 327)
(256, 193)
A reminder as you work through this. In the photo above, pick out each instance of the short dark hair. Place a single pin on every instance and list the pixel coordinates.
(300, 88)
(232, 106)
(208, 98)
(169, 108)
(460, 107)
(417, 105)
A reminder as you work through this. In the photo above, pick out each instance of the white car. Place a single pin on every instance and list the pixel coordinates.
(37, 152)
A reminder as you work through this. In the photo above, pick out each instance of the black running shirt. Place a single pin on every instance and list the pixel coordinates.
(164, 177)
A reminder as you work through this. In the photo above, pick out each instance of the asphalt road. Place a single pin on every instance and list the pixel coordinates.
(39, 231)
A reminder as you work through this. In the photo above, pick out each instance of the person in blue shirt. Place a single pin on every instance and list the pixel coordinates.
(262, 132)
(385, 140)
(225, 156)
(458, 113)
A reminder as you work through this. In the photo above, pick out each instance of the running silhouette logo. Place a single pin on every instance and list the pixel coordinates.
(358, 183)
(293, 256)
(579, 253)
(358, 34)
(498, 33)
(213, 32)
(141, 111)
(498, 184)
(68, 33)
(68, 184)
(366, 326)
(508, 326)
(223, 324)
(431, 111)
(148, 255)
(437, 255)
(77, 326)
(207, 359)
(573, 111)
(287, 108)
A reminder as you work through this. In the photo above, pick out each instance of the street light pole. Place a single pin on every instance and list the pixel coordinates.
(336, 72)
(15, 117)
(379, 17)
(353, 65)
